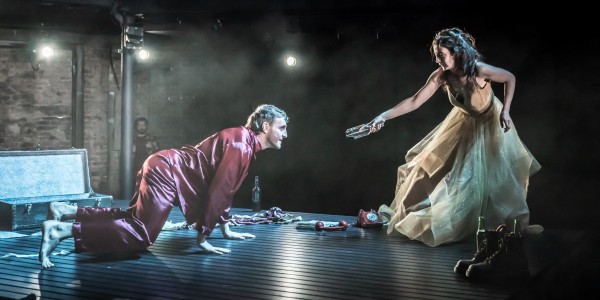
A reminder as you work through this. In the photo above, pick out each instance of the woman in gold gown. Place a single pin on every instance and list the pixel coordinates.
(473, 163)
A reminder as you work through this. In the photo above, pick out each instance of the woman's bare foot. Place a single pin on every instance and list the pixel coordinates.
(533, 229)
(52, 233)
(60, 211)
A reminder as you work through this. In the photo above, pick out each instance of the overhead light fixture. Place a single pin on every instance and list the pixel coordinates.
(134, 37)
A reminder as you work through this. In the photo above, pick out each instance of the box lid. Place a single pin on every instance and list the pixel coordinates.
(44, 173)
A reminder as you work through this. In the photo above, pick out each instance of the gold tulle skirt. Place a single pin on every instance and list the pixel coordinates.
(466, 167)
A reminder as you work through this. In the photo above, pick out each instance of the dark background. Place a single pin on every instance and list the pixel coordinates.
(356, 59)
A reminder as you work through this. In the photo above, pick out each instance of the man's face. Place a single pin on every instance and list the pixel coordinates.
(141, 127)
(275, 133)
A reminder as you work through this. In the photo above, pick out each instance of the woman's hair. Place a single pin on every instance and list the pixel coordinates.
(462, 45)
(264, 113)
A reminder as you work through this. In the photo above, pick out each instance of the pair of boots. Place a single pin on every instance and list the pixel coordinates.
(500, 255)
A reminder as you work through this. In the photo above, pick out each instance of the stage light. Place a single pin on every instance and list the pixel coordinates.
(291, 61)
(40, 52)
(143, 54)
(47, 51)
(43, 50)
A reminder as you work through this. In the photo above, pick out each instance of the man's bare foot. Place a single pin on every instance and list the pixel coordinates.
(52, 233)
(60, 211)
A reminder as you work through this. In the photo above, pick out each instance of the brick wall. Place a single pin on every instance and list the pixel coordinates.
(95, 136)
(36, 106)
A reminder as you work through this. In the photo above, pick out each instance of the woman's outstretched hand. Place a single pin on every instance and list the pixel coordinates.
(376, 124)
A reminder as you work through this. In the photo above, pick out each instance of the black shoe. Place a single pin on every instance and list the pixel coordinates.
(487, 244)
(508, 261)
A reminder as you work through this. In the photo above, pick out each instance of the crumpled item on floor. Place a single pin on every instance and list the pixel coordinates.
(61, 252)
(274, 215)
(177, 226)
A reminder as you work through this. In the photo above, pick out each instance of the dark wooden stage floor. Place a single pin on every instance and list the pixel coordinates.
(281, 263)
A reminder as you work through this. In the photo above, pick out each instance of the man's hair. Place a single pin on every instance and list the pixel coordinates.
(141, 119)
(264, 113)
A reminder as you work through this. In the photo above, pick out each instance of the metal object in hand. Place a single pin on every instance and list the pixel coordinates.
(359, 131)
